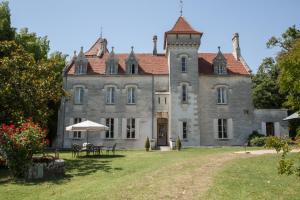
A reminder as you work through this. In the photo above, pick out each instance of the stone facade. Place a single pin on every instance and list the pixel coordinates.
(204, 99)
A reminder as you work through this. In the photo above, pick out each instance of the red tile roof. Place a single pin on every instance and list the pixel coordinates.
(158, 64)
(182, 26)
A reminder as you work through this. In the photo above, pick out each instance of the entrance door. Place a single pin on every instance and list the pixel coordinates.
(162, 132)
(270, 128)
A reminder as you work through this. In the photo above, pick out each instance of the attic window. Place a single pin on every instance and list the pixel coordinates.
(221, 69)
(132, 69)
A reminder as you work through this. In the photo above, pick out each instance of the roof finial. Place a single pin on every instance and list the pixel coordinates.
(132, 48)
(219, 48)
(181, 7)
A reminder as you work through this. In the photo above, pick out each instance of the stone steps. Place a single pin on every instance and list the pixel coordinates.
(165, 148)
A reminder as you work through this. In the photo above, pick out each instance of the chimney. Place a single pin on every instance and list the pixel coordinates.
(155, 45)
(102, 47)
(236, 46)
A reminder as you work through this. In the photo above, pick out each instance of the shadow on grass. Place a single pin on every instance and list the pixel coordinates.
(80, 166)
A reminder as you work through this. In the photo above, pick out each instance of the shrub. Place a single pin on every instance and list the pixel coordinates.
(147, 144)
(18, 144)
(258, 141)
(178, 144)
(254, 134)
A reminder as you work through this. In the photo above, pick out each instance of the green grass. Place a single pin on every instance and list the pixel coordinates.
(156, 175)
(254, 178)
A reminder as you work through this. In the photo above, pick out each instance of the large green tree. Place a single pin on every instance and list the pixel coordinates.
(30, 77)
(267, 91)
(6, 31)
(289, 78)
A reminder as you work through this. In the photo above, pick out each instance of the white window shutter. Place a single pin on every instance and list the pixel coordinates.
(124, 124)
(277, 129)
(137, 127)
(215, 128)
(230, 128)
(263, 128)
(71, 123)
(103, 122)
(116, 128)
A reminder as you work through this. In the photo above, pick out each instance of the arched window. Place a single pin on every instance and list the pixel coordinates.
(183, 64)
(184, 94)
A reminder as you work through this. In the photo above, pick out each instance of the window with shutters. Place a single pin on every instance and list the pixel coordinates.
(222, 129)
(77, 134)
(78, 95)
(130, 130)
(110, 125)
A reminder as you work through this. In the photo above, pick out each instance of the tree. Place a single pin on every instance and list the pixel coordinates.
(30, 78)
(6, 31)
(289, 78)
(268, 88)
(38, 46)
(265, 90)
(26, 86)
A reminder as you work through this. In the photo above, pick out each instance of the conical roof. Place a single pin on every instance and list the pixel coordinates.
(182, 26)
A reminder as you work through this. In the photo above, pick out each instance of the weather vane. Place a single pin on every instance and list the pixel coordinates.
(101, 32)
(181, 7)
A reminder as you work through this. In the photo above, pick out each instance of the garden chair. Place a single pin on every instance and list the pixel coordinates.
(75, 150)
(111, 148)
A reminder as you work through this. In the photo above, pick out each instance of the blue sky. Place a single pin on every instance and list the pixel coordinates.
(72, 24)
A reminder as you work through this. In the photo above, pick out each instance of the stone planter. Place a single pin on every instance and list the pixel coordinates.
(152, 144)
(51, 169)
(172, 144)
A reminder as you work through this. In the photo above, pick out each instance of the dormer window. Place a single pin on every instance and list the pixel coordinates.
(81, 63)
(112, 63)
(132, 69)
(183, 64)
(112, 68)
(132, 63)
(219, 63)
(221, 69)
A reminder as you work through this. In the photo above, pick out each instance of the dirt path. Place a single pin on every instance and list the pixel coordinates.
(184, 180)
(196, 183)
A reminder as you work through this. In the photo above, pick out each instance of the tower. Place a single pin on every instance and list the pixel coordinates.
(182, 43)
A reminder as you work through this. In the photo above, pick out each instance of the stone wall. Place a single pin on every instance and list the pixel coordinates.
(239, 108)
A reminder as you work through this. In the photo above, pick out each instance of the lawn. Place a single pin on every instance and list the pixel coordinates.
(210, 173)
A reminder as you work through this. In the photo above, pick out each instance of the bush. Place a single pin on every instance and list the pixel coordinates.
(254, 134)
(178, 144)
(258, 141)
(147, 144)
(18, 144)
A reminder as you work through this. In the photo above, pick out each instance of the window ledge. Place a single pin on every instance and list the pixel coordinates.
(131, 104)
(222, 104)
(110, 104)
(77, 138)
(223, 139)
(110, 138)
(130, 138)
